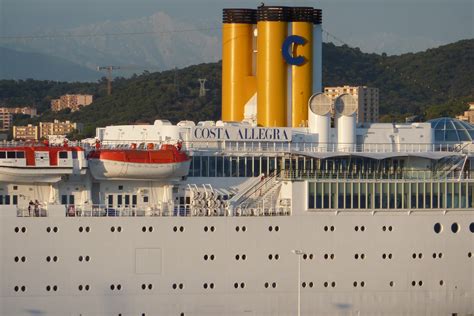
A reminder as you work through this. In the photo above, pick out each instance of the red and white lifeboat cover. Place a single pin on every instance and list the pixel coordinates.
(168, 162)
(40, 163)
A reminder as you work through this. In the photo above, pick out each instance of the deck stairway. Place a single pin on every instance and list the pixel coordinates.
(260, 197)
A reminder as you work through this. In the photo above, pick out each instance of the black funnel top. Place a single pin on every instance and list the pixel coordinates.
(270, 13)
(243, 16)
(302, 14)
(317, 16)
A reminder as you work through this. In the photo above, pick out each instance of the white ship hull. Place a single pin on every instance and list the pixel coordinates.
(161, 258)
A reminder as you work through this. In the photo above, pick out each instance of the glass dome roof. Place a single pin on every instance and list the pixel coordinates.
(448, 129)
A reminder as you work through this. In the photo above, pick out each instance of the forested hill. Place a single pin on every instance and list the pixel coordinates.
(433, 83)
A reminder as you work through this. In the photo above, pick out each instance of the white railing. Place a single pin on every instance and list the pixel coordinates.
(405, 175)
(286, 147)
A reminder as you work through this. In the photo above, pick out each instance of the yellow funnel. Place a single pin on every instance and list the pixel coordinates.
(272, 29)
(238, 82)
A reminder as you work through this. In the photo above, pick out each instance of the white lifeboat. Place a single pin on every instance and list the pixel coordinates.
(168, 162)
(40, 163)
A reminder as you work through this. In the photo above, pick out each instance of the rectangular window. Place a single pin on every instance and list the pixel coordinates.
(134, 200)
(311, 194)
(7, 200)
(1, 199)
(63, 155)
(71, 199)
(220, 166)
(127, 200)
(319, 196)
(74, 154)
(119, 200)
(241, 166)
(226, 166)
(63, 199)
(204, 166)
(234, 169)
(11, 154)
(248, 167)
(20, 154)
(15, 200)
(2, 155)
(110, 199)
(212, 166)
(197, 166)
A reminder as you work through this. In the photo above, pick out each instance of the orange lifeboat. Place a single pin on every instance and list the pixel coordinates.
(168, 162)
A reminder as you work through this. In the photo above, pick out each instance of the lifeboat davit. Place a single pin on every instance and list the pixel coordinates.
(40, 163)
(168, 162)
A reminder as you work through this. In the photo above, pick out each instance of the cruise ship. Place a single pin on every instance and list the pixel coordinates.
(286, 206)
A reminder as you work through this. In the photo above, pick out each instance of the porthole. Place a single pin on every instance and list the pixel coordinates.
(438, 228)
(333, 284)
(303, 284)
(143, 229)
(112, 229)
(310, 284)
(266, 284)
(325, 284)
(119, 229)
(181, 229)
(237, 228)
(354, 284)
(455, 228)
(55, 229)
(471, 227)
(81, 229)
(174, 286)
(236, 285)
(356, 228)
(20, 229)
(441, 282)
(413, 283)
(469, 254)
(150, 229)
(112, 287)
(244, 257)
(244, 228)
(206, 228)
(270, 257)
(420, 283)
(119, 287)
(270, 228)
(362, 228)
(204, 285)
(274, 285)
(362, 283)
(48, 229)
(88, 229)
(391, 283)
(181, 286)
(80, 287)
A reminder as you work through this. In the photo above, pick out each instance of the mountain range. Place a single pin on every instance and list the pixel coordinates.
(156, 42)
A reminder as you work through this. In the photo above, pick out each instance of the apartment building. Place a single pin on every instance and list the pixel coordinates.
(57, 128)
(28, 132)
(367, 99)
(6, 120)
(71, 101)
(468, 115)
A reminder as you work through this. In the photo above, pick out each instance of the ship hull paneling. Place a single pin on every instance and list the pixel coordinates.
(33, 174)
(163, 265)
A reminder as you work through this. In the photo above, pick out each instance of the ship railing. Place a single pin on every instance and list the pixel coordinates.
(102, 210)
(407, 175)
(314, 147)
(40, 211)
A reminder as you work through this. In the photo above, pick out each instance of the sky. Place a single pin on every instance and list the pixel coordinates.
(394, 26)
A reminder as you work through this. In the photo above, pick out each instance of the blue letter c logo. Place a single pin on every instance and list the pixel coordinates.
(288, 44)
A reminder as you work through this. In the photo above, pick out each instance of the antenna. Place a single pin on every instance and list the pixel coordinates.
(109, 76)
(202, 88)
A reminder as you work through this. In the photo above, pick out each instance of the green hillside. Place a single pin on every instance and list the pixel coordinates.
(432, 83)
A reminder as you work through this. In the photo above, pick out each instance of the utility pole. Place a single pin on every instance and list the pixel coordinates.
(109, 76)
(202, 89)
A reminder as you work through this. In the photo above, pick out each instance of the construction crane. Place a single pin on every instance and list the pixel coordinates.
(109, 76)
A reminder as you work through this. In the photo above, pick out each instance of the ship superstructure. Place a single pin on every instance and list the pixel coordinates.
(258, 214)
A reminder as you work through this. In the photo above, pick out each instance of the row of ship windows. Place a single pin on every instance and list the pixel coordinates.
(389, 195)
(211, 285)
(438, 228)
(306, 256)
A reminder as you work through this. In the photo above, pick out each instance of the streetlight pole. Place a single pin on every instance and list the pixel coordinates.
(299, 253)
